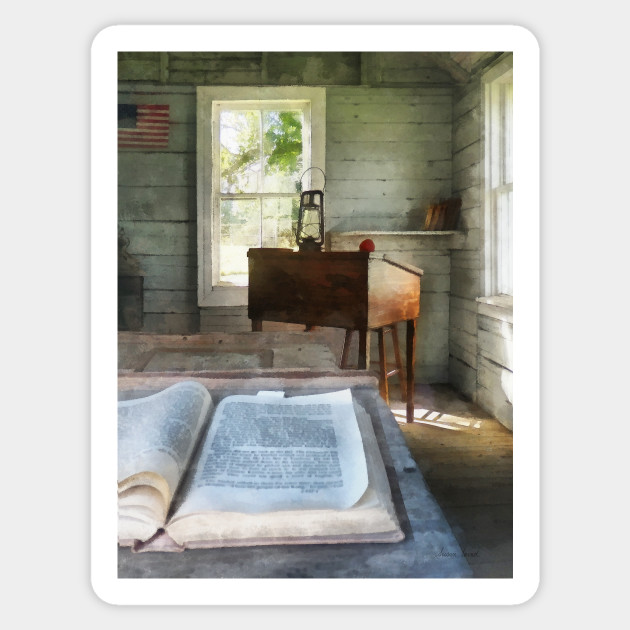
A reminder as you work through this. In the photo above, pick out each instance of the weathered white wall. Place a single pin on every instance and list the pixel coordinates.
(157, 210)
(400, 135)
(480, 339)
(388, 156)
(495, 362)
(466, 263)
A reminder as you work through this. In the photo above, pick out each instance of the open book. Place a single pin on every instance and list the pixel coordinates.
(252, 470)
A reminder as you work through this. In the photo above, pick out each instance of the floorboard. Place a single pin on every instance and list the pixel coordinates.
(466, 459)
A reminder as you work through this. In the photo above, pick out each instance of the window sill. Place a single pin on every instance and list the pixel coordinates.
(496, 306)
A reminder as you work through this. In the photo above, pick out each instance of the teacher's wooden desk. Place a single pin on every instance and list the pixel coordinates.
(353, 290)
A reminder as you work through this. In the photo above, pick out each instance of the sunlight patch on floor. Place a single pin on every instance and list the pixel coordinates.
(401, 418)
(437, 419)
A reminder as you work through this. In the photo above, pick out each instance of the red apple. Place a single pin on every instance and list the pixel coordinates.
(367, 245)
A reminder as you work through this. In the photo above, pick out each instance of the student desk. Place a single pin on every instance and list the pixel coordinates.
(352, 290)
(429, 549)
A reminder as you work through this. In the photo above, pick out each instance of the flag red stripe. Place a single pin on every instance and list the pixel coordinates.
(162, 141)
(142, 139)
(152, 117)
(146, 129)
(142, 134)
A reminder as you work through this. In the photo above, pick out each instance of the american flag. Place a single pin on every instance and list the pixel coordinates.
(142, 126)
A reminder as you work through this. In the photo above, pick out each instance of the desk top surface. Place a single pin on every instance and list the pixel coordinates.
(429, 549)
(264, 351)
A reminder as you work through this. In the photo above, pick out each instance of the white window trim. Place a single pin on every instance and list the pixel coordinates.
(207, 236)
(503, 67)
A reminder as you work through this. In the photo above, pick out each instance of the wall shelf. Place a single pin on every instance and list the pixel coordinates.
(383, 240)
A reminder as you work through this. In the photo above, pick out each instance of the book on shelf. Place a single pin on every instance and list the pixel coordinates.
(435, 216)
(429, 218)
(249, 470)
(443, 215)
(453, 209)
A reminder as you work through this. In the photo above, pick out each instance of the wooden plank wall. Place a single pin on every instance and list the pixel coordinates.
(495, 364)
(480, 345)
(388, 130)
(400, 135)
(157, 210)
(466, 263)
(388, 156)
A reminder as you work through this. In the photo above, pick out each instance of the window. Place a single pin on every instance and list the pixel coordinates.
(498, 179)
(253, 146)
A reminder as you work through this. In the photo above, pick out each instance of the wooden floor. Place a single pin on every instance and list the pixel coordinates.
(466, 459)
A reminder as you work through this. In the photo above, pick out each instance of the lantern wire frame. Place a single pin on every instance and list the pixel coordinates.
(310, 228)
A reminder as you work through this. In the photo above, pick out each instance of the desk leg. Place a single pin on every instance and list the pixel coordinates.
(382, 366)
(364, 350)
(346, 349)
(402, 374)
(256, 325)
(411, 366)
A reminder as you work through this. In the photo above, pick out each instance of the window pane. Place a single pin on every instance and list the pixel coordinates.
(279, 222)
(239, 137)
(504, 242)
(240, 230)
(282, 142)
(507, 134)
(499, 184)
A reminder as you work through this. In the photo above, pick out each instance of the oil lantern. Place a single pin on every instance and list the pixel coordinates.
(310, 227)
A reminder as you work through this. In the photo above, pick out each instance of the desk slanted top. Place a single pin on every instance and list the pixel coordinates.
(352, 290)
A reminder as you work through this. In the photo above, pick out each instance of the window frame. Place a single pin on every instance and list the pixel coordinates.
(498, 252)
(210, 293)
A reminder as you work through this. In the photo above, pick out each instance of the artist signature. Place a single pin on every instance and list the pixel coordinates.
(454, 554)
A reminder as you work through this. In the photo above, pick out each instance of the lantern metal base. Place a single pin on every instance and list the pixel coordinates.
(310, 246)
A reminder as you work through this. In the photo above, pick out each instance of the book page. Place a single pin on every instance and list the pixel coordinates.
(264, 453)
(158, 433)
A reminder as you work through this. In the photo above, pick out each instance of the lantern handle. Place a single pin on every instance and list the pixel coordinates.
(310, 169)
